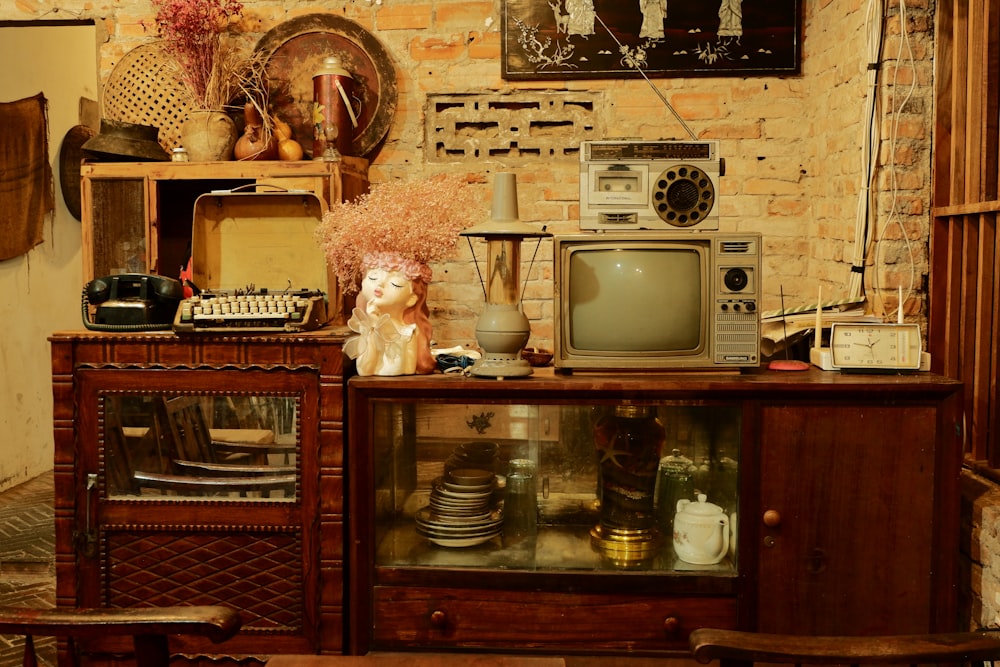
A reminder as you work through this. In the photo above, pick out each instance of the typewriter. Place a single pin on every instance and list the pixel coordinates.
(251, 310)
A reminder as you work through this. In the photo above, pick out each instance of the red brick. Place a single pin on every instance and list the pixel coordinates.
(436, 48)
(404, 17)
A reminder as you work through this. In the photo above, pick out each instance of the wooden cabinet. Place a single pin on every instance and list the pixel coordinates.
(135, 528)
(845, 519)
(137, 217)
(864, 503)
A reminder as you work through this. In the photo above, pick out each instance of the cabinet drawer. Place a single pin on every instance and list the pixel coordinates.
(446, 617)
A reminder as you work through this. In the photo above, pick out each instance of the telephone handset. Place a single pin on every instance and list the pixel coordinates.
(131, 302)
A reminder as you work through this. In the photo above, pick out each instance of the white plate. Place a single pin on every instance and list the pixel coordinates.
(461, 541)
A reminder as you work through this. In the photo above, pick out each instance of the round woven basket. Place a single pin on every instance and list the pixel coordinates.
(144, 88)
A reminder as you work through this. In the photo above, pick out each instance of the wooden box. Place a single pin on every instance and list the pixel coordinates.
(137, 216)
(253, 244)
(245, 240)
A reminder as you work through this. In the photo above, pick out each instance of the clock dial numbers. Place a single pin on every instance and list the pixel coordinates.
(876, 347)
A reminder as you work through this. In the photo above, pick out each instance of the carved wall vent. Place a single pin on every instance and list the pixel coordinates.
(509, 128)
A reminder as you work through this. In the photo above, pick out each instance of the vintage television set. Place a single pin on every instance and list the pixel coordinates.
(656, 301)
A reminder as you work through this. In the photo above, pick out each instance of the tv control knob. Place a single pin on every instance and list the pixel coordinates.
(725, 307)
(736, 307)
(751, 306)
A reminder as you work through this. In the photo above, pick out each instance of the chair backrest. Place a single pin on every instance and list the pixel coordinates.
(189, 429)
(733, 647)
(148, 627)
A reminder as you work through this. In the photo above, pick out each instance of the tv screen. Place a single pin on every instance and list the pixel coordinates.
(638, 299)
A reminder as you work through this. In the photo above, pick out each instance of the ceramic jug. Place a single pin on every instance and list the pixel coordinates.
(701, 531)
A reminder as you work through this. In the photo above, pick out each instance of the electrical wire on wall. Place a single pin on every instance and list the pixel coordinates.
(869, 236)
(864, 223)
(876, 247)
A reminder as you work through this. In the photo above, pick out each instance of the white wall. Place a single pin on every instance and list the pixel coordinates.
(40, 291)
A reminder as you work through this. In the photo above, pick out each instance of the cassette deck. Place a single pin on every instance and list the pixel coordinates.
(630, 184)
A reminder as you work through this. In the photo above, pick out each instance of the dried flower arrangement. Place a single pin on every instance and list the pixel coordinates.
(416, 221)
(197, 35)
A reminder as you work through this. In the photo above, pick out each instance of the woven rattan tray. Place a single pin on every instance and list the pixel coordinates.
(144, 88)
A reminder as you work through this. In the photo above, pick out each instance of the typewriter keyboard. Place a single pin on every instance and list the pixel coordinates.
(283, 311)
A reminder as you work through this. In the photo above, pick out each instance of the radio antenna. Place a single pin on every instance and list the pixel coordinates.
(786, 364)
(631, 63)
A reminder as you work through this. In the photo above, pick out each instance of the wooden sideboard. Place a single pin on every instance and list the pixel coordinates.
(847, 519)
(275, 555)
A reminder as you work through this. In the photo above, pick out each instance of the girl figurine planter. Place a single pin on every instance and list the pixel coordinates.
(383, 243)
(391, 318)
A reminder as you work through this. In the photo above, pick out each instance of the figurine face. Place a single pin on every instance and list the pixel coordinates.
(387, 292)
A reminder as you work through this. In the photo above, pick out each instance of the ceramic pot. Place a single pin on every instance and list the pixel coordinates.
(701, 531)
(208, 136)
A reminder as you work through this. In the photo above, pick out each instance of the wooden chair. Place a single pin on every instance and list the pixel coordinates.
(196, 441)
(197, 485)
(149, 627)
(203, 464)
(733, 647)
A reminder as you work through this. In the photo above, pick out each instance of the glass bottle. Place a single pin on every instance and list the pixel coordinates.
(629, 442)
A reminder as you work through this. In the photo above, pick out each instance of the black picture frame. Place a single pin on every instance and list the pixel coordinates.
(612, 39)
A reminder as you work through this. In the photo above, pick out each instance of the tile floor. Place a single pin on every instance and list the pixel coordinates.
(27, 559)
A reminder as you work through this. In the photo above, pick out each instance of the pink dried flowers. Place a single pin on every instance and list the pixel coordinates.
(194, 34)
(417, 221)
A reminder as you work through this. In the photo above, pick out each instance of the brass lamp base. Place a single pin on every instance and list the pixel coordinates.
(625, 548)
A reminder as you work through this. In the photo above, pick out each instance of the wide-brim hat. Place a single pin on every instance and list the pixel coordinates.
(126, 142)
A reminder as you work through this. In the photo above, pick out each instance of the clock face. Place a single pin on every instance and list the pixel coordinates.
(875, 346)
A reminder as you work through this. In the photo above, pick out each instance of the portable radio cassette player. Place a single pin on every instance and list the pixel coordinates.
(631, 184)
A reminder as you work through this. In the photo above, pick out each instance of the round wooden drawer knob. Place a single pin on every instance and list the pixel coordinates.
(439, 619)
(671, 626)
(772, 519)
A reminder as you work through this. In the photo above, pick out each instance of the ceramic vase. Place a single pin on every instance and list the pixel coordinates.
(208, 136)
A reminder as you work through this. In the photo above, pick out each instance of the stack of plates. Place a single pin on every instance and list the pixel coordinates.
(459, 513)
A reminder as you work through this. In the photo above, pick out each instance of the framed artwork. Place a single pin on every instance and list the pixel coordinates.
(610, 39)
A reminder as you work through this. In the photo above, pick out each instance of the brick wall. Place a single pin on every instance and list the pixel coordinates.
(792, 144)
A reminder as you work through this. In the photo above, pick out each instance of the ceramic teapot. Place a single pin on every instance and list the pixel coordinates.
(701, 531)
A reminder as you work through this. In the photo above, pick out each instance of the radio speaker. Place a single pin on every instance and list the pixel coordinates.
(683, 195)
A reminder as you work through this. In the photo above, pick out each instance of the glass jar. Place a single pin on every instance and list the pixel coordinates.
(674, 481)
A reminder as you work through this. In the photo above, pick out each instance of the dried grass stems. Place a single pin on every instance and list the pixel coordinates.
(417, 220)
(216, 67)
(253, 85)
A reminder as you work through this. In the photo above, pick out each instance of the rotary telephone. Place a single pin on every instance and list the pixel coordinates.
(131, 302)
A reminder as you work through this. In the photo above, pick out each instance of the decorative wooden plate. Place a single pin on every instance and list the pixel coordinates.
(295, 50)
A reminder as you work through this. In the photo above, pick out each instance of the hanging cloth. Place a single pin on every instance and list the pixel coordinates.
(27, 191)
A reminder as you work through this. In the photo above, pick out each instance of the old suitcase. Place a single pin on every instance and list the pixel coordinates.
(257, 264)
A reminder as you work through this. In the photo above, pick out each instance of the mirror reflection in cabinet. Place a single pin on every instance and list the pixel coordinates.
(239, 447)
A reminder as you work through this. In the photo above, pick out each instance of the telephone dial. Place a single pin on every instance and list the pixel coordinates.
(131, 302)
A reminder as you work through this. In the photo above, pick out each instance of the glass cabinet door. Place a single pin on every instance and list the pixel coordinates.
(219, 446)
(650, 488)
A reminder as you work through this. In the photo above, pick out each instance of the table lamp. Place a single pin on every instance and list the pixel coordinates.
(502, 329)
